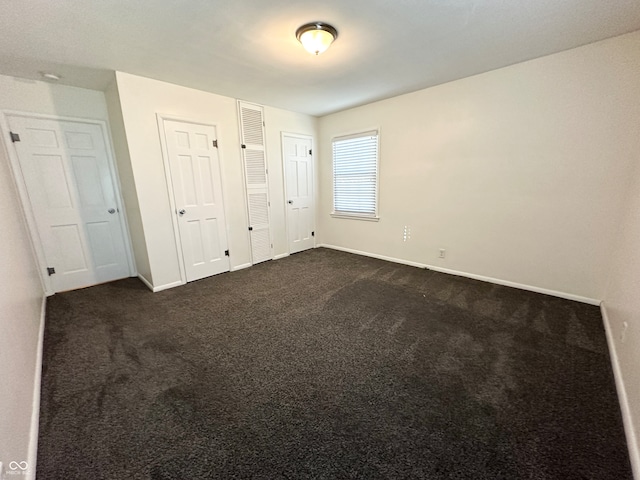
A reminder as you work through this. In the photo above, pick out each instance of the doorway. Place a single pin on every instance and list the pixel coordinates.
(72, 200)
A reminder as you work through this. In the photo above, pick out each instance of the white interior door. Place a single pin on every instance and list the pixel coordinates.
(298, 164)
(197, 190)
(256, 175)
(73, 197)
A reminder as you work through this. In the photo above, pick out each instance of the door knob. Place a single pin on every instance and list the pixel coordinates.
(290, 202)
(112, 211)
(182, 212)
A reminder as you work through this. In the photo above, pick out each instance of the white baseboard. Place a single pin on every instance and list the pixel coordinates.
(240, 267)
(32, 453)
(281, 255)
(627, 417)
(168, 286)
(521, 286)
(373, 255)
(161, 287)
(497, 281)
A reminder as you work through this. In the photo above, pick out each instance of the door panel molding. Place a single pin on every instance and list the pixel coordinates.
(27, 209)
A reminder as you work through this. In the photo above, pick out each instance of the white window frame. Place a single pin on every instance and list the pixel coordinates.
(356, 215)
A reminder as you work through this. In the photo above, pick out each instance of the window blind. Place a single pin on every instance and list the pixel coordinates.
(355, 174)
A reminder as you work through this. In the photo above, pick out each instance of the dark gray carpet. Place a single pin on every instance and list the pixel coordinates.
(326, 365)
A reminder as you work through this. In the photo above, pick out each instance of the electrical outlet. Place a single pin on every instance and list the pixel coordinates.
(441, 253)
(623, 334)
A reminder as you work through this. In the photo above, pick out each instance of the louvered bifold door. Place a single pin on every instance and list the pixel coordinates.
(255, 174)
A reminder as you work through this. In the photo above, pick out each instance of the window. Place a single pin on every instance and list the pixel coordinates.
(355, 175)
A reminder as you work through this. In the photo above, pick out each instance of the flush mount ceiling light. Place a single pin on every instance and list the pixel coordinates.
(316, 37)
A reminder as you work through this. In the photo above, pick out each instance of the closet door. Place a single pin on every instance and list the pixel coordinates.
(298, 167)
(73, 195)
(197, 191)
(256, 180)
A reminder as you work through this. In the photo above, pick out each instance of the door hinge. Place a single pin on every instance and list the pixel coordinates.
(313, 234)
(243, 145)
(310, 152)
(51, 270)
(215, 143)
(14, 137)
(250, 229)
(266, 170)
(226, 253)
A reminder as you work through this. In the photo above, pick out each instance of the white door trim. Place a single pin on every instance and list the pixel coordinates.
(284, 180)
(161, 118)
(27, 208)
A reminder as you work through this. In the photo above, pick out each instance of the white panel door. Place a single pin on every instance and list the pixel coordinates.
(298, 163)
(256, 180)
(65, 166)
(197, 191)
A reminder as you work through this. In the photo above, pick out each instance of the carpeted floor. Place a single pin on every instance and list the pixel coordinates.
(327, 365)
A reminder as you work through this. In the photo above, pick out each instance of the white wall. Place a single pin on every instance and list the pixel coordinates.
(519, 173)
(21, 290)
(622, 305)
(51, 99)
(140, 100)
(127, 183)
(21, 300)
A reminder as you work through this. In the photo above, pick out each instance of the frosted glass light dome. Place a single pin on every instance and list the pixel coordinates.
(316, 37)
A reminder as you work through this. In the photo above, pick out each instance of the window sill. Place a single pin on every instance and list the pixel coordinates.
(355, 217)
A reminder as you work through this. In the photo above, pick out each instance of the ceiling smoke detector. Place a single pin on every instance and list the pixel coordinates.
(50, 76)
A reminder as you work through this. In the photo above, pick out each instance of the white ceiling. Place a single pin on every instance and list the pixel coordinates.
(247, 48)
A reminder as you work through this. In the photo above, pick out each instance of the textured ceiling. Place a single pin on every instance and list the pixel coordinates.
(247, 48)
